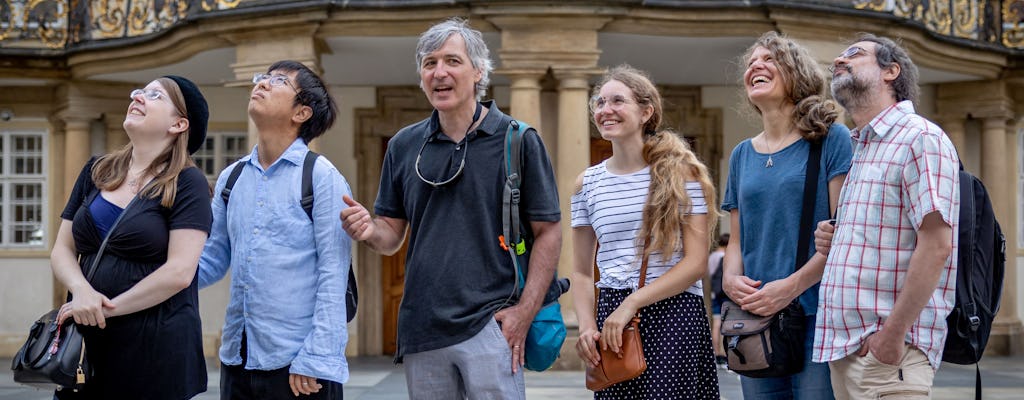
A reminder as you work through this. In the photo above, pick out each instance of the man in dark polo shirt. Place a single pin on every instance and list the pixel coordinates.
(460, 327)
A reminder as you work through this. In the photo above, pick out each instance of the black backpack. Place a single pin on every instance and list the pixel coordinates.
(352, 294)
(981, 262)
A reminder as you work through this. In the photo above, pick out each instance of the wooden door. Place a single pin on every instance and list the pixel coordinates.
(393, 281)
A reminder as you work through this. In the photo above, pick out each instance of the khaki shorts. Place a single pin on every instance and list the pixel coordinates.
(863, 378)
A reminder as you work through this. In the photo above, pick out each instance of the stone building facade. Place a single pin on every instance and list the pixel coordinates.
(66, 68)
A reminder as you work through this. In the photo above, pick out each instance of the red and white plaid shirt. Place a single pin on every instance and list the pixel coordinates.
(904, 167)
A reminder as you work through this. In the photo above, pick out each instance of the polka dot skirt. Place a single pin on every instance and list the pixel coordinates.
(677, 347)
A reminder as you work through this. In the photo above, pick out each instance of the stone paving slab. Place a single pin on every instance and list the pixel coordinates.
(376, 378)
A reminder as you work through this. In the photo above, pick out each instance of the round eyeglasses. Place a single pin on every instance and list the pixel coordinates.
(148, 94)
(615, 103)
(462, 164)
(274, 80)
(465, 151)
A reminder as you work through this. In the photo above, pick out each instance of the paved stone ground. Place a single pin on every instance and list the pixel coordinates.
(376, 378)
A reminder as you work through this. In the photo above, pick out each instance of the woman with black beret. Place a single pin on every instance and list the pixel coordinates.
(139, 313)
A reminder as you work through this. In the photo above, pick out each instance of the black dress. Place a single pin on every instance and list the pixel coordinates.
(155, 353)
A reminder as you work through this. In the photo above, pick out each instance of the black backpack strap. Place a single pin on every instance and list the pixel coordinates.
(810, 193)
(352, 294)
(225, 193)
(307, 182)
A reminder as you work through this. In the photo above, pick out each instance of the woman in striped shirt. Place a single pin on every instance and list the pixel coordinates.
(649, 199)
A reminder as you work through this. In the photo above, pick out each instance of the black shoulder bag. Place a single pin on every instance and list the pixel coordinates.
(54, 357)
(773, 346)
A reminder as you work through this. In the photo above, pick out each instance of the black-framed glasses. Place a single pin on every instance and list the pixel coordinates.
(274, 80)
(436, 184)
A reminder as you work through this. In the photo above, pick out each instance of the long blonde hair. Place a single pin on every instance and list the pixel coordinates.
(111, 171)
(806, 87)
(671, 161)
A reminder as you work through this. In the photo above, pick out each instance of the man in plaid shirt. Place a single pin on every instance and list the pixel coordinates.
(889, 281)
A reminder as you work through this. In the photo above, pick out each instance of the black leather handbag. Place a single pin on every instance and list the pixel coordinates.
(54, 356)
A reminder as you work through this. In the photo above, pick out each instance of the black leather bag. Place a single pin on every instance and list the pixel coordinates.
(54, 356)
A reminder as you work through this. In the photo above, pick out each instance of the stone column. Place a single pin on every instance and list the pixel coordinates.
(954, 127)
(573, 153)
(995, 172)
(76, 149)
(525, 95)
(58, 198)
(116, 136)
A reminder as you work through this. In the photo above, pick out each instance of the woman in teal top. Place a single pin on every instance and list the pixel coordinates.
(764, 194)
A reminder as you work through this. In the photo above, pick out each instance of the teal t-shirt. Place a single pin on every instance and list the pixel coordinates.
(770, 199)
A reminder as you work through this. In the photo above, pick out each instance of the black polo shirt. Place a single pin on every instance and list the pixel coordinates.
(456, 273)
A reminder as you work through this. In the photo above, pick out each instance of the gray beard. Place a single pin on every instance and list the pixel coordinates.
(850, 92)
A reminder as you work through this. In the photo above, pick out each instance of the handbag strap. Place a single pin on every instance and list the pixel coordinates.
(103, 245)
(807, 209)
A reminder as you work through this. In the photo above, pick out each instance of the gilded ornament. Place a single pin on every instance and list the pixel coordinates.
(109, 17)
(874, 5)
(1013, 23)
(937, 17)
(211, 5)
(45, 20)
(966, 18)
(911, 9)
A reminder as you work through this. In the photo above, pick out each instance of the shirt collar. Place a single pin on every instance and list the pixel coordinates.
(488, 126)
(884, 122)
(295, 154)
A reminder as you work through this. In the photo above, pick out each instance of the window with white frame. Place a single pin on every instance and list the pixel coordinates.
(22, 188)
(220, 150)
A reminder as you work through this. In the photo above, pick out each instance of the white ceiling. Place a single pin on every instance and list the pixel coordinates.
(377, 61)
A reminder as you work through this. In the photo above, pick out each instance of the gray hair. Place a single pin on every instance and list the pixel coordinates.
(888, 52)
(434, 38)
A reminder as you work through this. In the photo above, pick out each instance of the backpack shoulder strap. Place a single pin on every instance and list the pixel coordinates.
(307, 182)
(225, 193)
(511, 233)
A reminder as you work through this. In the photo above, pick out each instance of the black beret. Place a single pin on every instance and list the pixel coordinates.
(196, 110)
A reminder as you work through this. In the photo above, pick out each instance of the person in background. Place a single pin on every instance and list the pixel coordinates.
(460, 332)
(898, 223)
(285, 331)
(648, 200)
(717, 297)
(764, 196)
(141, 308)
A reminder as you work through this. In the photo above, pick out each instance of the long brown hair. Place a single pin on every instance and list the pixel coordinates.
(671, 161)
(806, 84)
(111, 170)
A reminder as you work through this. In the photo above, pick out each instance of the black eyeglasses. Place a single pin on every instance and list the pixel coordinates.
(458, 172)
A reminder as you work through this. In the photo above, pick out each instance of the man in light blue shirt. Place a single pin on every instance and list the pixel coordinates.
(285, 327)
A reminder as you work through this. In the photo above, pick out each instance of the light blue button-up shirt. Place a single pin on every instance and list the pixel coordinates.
(288, 275)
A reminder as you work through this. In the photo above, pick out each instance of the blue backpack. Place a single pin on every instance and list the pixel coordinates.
(352, 293)
(547, 331)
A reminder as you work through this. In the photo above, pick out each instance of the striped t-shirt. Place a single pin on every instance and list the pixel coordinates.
(613, 206)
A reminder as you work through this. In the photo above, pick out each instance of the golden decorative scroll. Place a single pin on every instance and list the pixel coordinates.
(45, 20)
(937, 17)
(1013, 23)
(967, 19)
(211, 5)
(873, 5)
(108, 18)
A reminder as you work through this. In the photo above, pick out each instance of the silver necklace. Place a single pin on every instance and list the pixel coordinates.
(770, 163)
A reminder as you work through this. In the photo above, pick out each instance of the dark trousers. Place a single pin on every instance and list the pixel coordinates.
(238, 383)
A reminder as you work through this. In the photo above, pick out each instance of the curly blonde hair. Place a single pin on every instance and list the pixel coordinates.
(671, 161)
